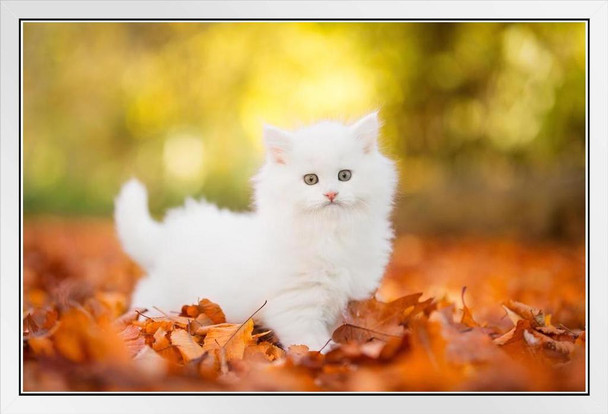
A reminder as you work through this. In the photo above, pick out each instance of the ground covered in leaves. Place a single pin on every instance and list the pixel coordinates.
(452, 314)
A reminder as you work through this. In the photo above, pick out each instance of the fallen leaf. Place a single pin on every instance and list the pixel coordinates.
(558, 334)
(212, 310)
(230, 338)
(190, 311)
(186, 345)
(370, 319)
(553, 348)
(41, 346)
(133, 340)
(264, 351)
(115, 302)
(467, 316)
(536, 316)
(75, 338)
(150, 363)
(30, 326)
(160, 340)
(201, 323)
(80, 338)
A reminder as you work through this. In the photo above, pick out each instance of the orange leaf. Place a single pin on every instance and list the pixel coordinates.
(467, 316)
(558, 333)
(229, 337)
(132, 338)
(41, 346)
(151, 363)
(212, 310)
(515, 334)
(374, 319)
(536, 316)
(160, 340)
(264, 351)
(348, 332)
(556, 349)
(186, 344)
(79, 338)
(190, 311)
(114, 301)
(151, 326)
(30, 326)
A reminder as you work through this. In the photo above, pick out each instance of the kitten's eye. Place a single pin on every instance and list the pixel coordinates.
(311, 179)
(344, 175)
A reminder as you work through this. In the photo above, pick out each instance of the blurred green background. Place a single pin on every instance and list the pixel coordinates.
(486, 120)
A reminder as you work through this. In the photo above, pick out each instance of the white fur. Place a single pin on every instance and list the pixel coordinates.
(306, 256)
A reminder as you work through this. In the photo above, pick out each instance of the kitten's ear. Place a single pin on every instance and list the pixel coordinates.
(278, 143)
(366, 130)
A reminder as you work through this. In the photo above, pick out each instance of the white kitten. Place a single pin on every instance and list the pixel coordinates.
(320, 235)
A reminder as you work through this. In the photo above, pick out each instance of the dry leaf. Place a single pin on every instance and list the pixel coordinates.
(150, 363)
(133, 340)
(41, 346)
(30, 326)
(186, 345)
(370, 319)
(160, 340)
(212, 310)
(230, 338)
(76, 339)
(527, 312)
(264, 351)
(467, 316)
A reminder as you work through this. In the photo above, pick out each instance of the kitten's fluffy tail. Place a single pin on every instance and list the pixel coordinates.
(139, 234)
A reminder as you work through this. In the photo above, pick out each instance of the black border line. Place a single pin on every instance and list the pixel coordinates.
(329, 393)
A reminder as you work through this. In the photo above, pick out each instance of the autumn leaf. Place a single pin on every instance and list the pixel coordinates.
(520, 310)
(77, 333)
(30, 326)
(552, 347)
(348, 332)
(352, 352)
(160, 340)
(41, 346)
(515, 334)
(150, 326)
(467, 316)
(208, 309)
(131, 336)
(264, 351)
(231, 339)
(374, 319)
(186, 345)
(80, 338)
(150, 363)
(558, 334)
(115, 302)
(40, 322)
(190, 311)
(212, 311)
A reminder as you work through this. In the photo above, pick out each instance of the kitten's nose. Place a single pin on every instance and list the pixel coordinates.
(331, 195)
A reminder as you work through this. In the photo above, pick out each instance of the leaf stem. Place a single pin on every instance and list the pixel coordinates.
(243, 324)
(370, 330)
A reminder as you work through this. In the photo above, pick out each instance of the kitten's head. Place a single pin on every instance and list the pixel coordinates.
(328, 168)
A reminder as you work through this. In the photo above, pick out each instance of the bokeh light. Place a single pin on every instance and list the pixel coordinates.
(487, 118)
